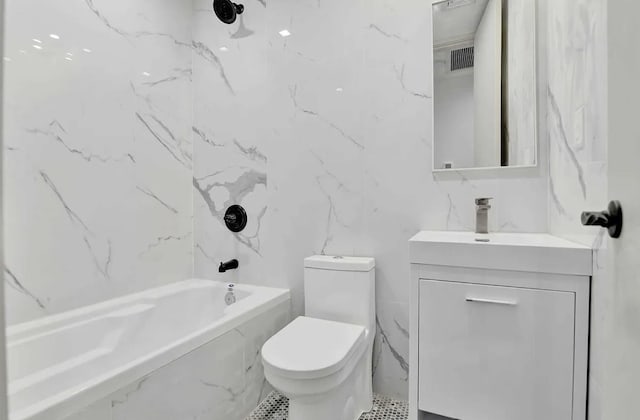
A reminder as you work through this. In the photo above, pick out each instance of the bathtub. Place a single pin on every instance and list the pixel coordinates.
(95, 357)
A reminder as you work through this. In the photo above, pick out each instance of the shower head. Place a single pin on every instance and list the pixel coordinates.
(227, 10)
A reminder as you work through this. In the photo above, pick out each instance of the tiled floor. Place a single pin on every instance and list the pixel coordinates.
(275, 407)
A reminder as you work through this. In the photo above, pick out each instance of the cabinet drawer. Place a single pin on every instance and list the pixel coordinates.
(495, 353)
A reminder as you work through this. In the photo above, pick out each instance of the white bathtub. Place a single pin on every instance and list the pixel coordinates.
(59, 364)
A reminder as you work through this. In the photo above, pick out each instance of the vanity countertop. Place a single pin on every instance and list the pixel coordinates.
(532, 252)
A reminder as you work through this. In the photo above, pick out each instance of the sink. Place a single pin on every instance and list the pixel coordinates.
(497, 325)
(531, 252)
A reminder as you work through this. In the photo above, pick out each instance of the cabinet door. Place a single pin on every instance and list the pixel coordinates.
(495, 353)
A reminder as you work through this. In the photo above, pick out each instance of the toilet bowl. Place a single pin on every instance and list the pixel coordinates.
(322, 361)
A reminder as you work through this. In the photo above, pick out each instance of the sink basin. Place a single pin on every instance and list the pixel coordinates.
(531, 252)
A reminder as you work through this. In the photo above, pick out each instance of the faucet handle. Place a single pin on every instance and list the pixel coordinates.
(483, 201)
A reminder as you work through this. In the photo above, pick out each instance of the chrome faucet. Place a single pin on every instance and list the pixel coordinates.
(482, 215)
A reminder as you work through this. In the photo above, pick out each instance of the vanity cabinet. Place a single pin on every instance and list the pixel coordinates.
(490, 341)
(499, 349)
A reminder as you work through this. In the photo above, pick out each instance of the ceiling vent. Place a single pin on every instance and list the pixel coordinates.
(461, 58)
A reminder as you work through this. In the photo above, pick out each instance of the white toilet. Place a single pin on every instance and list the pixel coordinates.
(322, 361)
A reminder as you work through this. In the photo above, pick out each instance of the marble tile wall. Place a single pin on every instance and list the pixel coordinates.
(120, 162)
(325, 136)
(577, 130)
(98, 151)
(223, 379)
(229, 131)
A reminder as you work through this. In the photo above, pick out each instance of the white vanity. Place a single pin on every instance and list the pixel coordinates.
(499, 329)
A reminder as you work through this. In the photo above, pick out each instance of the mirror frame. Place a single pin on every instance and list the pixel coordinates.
(536, 146)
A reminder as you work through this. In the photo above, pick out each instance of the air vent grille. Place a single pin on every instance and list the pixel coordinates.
(461, 58)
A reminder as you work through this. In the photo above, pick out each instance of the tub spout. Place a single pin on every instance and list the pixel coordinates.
(229, 265)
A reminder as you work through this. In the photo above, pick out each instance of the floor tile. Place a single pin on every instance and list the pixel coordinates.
(275, 407)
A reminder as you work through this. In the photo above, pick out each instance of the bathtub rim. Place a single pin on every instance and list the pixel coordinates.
(13, 331)
(74, 399)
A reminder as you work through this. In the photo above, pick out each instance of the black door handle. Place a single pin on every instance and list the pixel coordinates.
(610, 219)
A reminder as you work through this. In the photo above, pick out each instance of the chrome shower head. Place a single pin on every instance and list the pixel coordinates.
(227, 11)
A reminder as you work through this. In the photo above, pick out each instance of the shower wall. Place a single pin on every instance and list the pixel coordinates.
(98, 153)
(316, 116)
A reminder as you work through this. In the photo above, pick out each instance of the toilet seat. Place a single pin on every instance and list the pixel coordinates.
(310, 348)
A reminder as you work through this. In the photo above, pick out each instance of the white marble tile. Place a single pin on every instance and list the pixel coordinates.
(576, 107)
(324, 136)
(98, 151)
(100, 410)
(341, 111)
(205, 384)
(222, 379)
(230, 159)
(576, 110)
(391, 349)
(256, 332)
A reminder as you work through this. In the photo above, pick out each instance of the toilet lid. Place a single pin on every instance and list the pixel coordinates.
(312, 348)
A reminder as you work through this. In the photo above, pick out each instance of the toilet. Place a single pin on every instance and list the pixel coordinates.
(322, 361)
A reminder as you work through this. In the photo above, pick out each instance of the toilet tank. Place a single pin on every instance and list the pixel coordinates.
(340, 289)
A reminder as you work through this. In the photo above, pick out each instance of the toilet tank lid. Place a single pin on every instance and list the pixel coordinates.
(340, 263)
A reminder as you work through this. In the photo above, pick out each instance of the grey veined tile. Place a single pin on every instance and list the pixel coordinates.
(275, 407)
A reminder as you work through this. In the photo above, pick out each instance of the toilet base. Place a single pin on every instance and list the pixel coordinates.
(346, 402)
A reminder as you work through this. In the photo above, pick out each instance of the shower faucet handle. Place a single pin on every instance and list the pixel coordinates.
(235, 218)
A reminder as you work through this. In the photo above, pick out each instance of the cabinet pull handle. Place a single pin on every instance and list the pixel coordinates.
(492, 302)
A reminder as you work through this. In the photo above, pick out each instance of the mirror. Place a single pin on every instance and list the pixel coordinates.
(484, 61)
